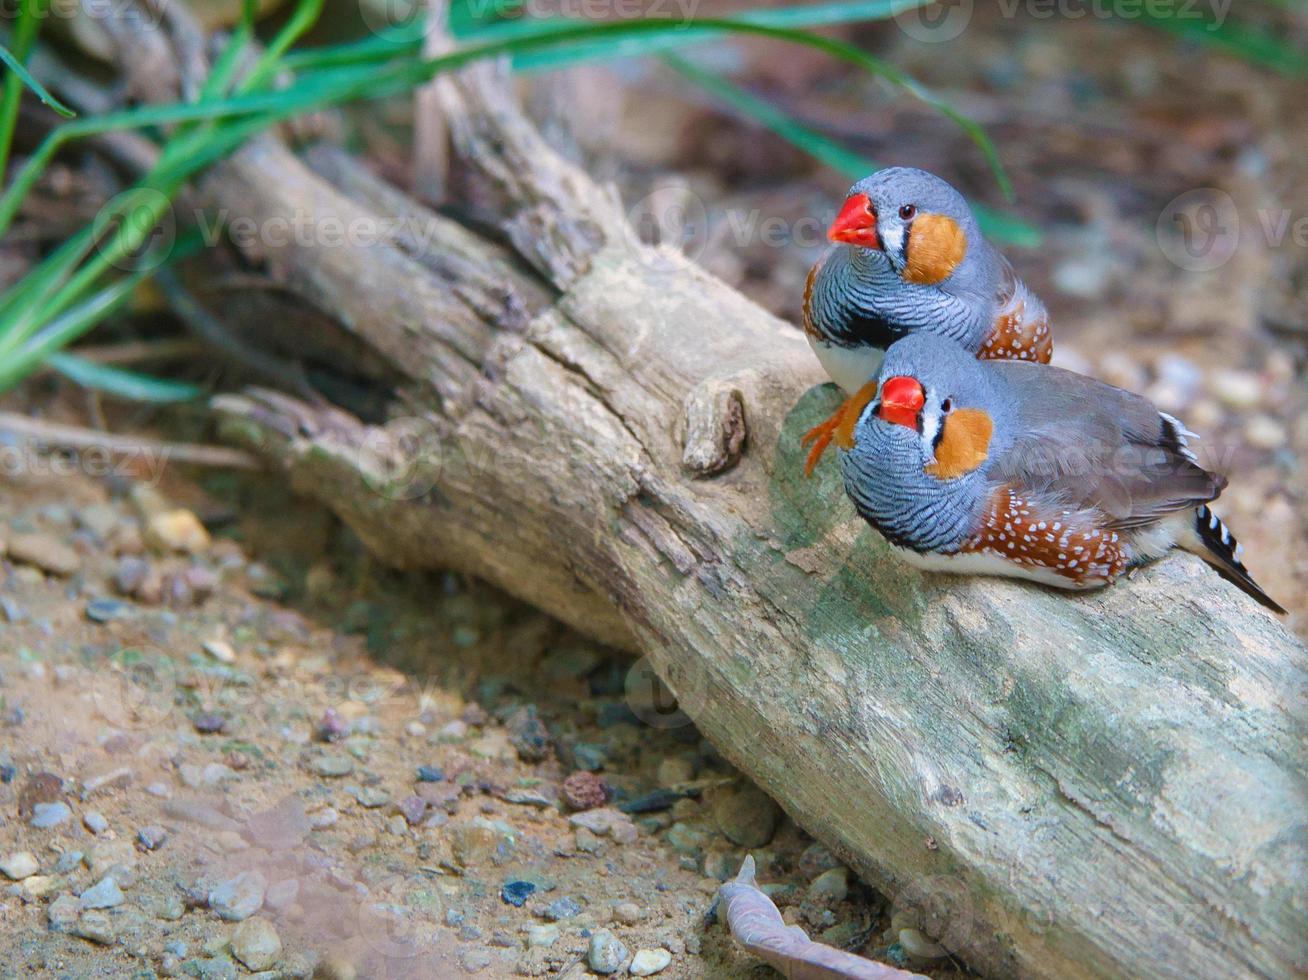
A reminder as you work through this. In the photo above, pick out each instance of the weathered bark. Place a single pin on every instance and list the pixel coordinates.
(1073, 786)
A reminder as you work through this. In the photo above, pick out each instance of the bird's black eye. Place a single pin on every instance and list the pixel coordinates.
(906, 212)
(947, 406)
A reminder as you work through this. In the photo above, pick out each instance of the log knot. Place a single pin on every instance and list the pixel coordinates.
(713, 419)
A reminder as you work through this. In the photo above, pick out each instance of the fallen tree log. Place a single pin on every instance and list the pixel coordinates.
(1069, 786)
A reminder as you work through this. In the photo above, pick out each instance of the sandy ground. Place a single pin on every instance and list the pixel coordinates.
(223, 733)
(247, 717)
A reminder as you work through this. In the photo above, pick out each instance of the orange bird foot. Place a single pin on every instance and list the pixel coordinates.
(820, 436)
(840, 426)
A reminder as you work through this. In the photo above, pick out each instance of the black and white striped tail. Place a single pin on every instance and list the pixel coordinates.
(1222, 551)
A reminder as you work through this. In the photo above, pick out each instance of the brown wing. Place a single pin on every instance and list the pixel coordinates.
(1047, 536)
(1094, 447)
(1021, 330)
(806, 314)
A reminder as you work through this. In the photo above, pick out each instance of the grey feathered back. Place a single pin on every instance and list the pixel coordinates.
(961, 307)
(1061, 438)
(1093, 444)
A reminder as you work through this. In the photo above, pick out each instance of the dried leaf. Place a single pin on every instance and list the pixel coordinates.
(757, 925)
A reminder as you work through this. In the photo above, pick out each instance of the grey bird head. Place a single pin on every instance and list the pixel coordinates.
(916, 465)
(882, 211)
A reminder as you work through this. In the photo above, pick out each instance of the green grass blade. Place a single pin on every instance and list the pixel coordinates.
(227, 64)
(29, 24)
(120, 383)
(65, 329)
(304, 16)
(1254, 45)
(1000, 227)
(367, 81)
(61, 309)
(10, 60)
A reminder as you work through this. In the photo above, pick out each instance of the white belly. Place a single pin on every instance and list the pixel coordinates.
(849, 367)
(988, 563)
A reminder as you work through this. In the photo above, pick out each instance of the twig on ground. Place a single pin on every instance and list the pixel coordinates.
(55, 435)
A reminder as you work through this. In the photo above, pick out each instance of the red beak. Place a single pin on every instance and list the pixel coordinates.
(856, 224)
(901, 399)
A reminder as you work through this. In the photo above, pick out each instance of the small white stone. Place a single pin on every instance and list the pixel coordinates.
(220, 650)
(104, 895)
(647, 962)
(1237, 389)
(1265, 432)
(256, 944)
(19, 865)
(545, 935)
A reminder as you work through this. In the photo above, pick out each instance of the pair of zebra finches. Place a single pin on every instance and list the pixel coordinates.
(958, 442)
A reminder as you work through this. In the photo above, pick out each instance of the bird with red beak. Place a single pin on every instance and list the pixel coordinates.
(907, 257)
(1005, 467)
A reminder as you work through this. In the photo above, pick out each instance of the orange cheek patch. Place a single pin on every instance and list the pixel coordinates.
(850, 412)
(936, 244)
(964, 445)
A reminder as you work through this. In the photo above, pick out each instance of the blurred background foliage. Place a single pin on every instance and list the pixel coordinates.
(280, 62)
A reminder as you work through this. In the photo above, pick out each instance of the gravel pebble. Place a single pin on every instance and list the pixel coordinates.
(628, 913)
(584, 791)
(528, 734)
(542, 936)
(371, 797)
(256, 944)
(45, 552)
(830, 887)
(19, 865)
(562, 908)
(130, 575)
(209, 723)
(103, 895)
(104, 609)
(176, 531)
(1241, 390)
(747, 817)
(152, 837)
(63, 913)
(516, 892)
(430, 774)
(68, 861)
(332, 765)
(413, 808)
(589, 757)
(95, 927)
(607, 822)
(324, 818)
(240, 897)
(606, 954)
(1265, 432)
(45, 815)
(647, 962)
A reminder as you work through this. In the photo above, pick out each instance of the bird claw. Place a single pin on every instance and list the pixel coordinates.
(820, 437)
